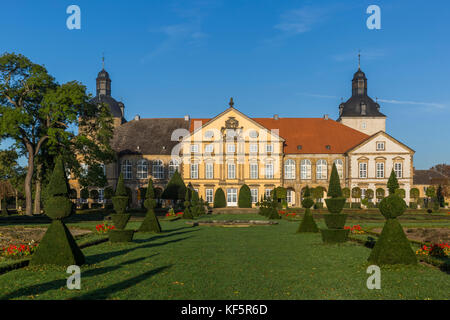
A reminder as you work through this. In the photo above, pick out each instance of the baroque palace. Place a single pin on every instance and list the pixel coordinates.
(233, 149)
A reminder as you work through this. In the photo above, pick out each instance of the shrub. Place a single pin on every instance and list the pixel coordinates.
(392, 206)
(334, 188)
(308, 224)
(94, 194)
(84, 193)
(187, 213)
(109, 193)
(4, 212)
(175, 189)
(392, 183)
(335, 205)
(335, 220)
(356, 205)
(318, 205)
(392, 246)
(413, 205)
(245, 197)
(219, 199)
(58, 247)
(347, 205)
(120, 235)
(151, 222)
(120, 200)
(346, 193)
(307, 203)
(120, 218)
(334, 235)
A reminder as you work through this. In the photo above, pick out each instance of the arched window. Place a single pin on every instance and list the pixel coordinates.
(126, 169)
(340, 168)
(158, 169)
(142, 169)
(305, 169)
(174, 165)
(289, 169)
(321, 170)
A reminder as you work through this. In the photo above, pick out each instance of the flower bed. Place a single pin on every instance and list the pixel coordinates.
(104, 228)
(20, 250)
(441, 250)
(356, 229)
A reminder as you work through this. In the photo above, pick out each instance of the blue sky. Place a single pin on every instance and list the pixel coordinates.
(294, 58)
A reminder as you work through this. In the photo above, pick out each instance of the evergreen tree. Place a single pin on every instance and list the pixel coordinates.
(151, 222)
(219, 199)
(187, 213)
(334, 188)
(440, 196)
(175, 189)
(245, 197)
(392, 183)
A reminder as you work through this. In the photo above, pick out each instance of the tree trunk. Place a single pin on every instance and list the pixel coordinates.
(37, 194)
(28, 178)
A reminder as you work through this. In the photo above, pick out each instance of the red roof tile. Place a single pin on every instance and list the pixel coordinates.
(313, 134)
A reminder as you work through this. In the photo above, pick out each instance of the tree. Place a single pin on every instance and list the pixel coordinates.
(219, 199)
(245, 197)
(440, 196)
(187, 212)
(334, 188)
(414, 193)
(36, 114)
(175, 189)
(380, 193)
(369, 194)
(356, 193)
(93, 194)
(346, 192)
(401, 193)
(392, 184)
(151, 222)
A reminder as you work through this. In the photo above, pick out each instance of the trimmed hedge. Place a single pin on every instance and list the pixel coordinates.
(219, 199)
(335, 205)
(392, 247)
(120, 220)
(392, 206)
(334, 235)
(308, 224)
(120, 235)
(245, 197)
(335, 220)
(355, 205)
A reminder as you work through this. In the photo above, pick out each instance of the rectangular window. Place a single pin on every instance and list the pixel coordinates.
(209, 170)
(84, 169)
(269, 170)
(142, 170)
(253, 148)
(209, 148)
(269, 148)
(194, 148)
(398, 169)
(267, 193)
(194, 171)
(380, 145)
(363, 170)
(289, 196)
(231, 171)
(363, 193)
(254, 193)
(253, 171)
(101, 195)
(126, 169)
(231, 148)
(232, 197)
(209, 195)
(380, 170)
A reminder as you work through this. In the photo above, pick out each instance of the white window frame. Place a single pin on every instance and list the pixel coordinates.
(194, 148)
(267, 193)
(340, 168)
(269, 170)
(142, 169)
(231, 170)
(398, 172)
(362, 169)
(269, 148)
(254, 195)
(380, 169)
(194, 171)
(231, 148)
(289, 169)
(101, 195)
(382, 144)
(127, 169)
(158, 169)
(209, 148)
(209, 170)
(232, 196)
(254, 174)
(321, 170)
(253, 148)
(305, 169)
(173, 166)
(209, 195)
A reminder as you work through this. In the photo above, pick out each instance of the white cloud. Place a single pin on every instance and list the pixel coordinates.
(299, 20)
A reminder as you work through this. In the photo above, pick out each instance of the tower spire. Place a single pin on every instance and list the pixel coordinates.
(359, 60)
(103, 61)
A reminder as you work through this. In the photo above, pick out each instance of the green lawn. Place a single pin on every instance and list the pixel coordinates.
(259, 262)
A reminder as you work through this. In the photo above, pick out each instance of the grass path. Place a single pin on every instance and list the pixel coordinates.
(259, 262)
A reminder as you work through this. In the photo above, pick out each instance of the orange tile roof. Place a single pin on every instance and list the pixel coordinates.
(313, 134)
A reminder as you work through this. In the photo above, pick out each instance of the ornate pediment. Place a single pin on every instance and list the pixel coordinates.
(232, 124)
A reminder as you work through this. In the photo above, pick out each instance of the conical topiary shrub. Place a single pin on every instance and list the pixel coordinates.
(392, 247)
(335, 220)
(308, 224)
(187, 212)
(151, 222)
(219, 199)
(245, 197)
(58, 247)
(4, 212)
(120, 218)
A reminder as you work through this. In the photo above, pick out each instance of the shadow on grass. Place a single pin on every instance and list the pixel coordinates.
(162, 235)
(62, 283)
(104, 293)
(108, 255)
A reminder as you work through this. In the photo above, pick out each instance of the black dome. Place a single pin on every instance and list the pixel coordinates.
(103, 74)
(114, 106)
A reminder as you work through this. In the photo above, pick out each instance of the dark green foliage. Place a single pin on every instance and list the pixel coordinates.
(413, 205)
(392, 183)
(347, 205)
(120, 188)
(279, 193)
(150, 202)
(120, 235)
(346, 192)
(379, 193)
(400, 192)
(435, 204)
(150, 223)
(120, 204)
(57, 185)
(245, 197)
(356, 193)
(120, 220)
(4, 212)
(335, 205)
(335, 220)
(109, 193)
(318, 205)
(187, 212)
(307, 202)
(219, 199)
(195, 204)
(334, 188)
(440, 197)
(94, 194)
(392, 246)
(356, 205)
(175, 189)
(308, 224)
(273, 213)
(57, 204)
(84, 193)
(72, 194)
(58, 207)
(58, 247)
(334, 235)
(306, 192)
(392, 206)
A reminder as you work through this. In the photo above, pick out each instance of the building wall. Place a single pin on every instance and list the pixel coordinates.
(367, 125)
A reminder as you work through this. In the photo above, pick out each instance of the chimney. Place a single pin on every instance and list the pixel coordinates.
(325, 117)
(186, 117)
(137, 117)
(276, 117)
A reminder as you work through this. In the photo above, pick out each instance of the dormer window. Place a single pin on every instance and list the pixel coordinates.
(328, 147)
(380, 145)
(299, 147)
(363, 108)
